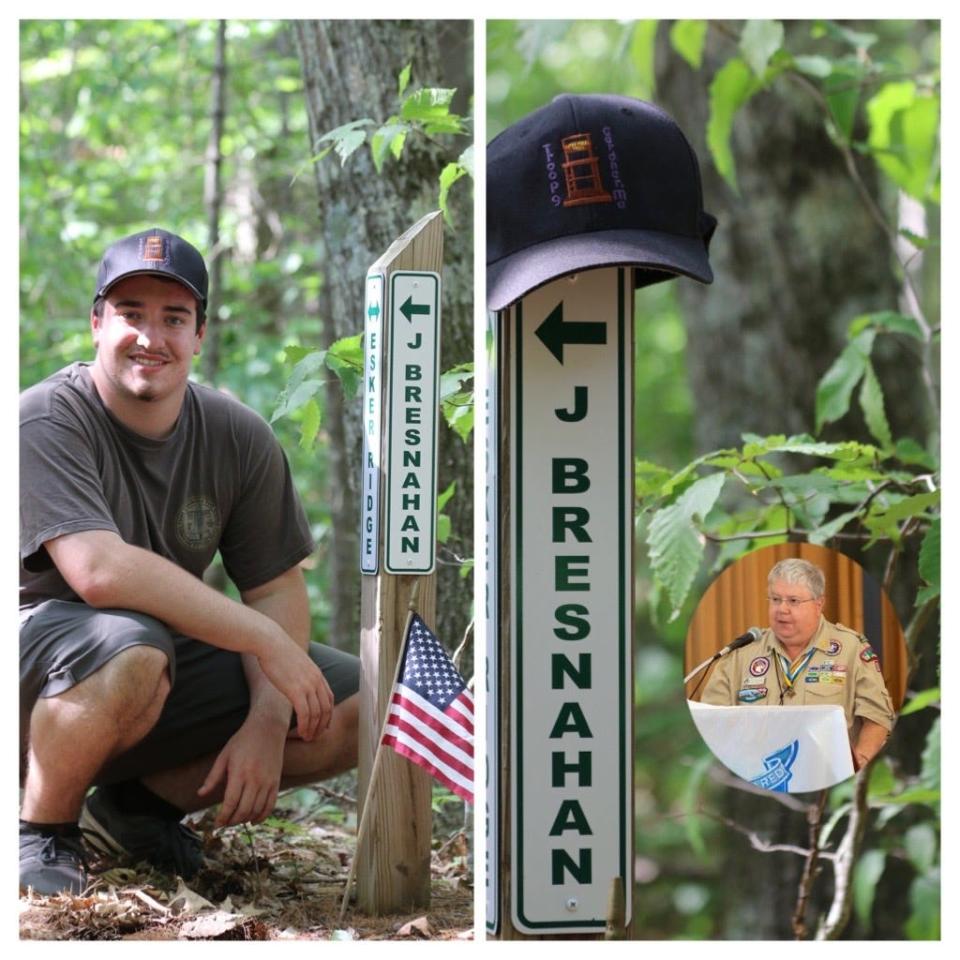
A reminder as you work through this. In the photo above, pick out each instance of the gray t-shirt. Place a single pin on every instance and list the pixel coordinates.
(219, 481)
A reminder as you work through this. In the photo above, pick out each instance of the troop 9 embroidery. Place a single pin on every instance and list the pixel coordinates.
(577, 179)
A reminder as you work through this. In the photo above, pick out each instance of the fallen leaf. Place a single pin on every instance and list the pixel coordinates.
(185, 900)
(419, 928)
(210, 926)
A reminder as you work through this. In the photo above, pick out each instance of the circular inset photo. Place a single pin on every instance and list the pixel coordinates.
(796, 667)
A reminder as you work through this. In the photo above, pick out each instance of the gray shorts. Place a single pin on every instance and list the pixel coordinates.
(64, 642)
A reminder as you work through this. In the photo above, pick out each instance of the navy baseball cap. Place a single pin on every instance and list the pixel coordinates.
(593, 180)
(154, 251)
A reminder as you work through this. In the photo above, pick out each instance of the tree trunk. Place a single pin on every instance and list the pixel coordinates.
(213, 200)
(350, 70)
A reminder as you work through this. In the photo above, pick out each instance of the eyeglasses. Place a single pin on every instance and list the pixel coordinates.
(791, 602)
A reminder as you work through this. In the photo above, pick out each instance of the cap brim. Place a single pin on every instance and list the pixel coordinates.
(153, 272)
(514, 276)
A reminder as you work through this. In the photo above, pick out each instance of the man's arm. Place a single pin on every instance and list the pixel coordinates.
(870, 740)
(107, 572)
(252, 760)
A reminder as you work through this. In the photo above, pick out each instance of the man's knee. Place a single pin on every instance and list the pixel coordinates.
(134, 681)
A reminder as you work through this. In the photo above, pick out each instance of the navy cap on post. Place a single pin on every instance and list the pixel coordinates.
(587, 181)
(153, 251)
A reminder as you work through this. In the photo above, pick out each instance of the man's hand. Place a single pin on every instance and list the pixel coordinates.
(290, 669)
(251, 762)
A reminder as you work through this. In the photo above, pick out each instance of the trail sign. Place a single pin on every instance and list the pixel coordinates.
(372, 382)
(492, 619)
(414, 398)
(570, 384)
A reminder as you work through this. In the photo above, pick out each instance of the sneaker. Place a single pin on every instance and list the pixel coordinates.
(51, 863)
(161, 842)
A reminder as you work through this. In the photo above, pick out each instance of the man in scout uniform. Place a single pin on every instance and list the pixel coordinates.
(804, 660)
(134, 675)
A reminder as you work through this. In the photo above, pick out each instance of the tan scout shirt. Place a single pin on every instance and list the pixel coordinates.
(837, 667)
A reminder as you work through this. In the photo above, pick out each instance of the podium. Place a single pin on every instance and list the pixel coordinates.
(783, 749)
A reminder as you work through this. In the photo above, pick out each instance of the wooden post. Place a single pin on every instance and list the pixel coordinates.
(559, 802)
(393, 870)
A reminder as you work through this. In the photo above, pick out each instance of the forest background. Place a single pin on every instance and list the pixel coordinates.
(796, 398)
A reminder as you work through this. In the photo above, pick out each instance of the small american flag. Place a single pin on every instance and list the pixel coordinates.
(430, 719)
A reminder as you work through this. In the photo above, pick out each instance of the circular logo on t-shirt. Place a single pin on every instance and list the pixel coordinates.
(198, 523)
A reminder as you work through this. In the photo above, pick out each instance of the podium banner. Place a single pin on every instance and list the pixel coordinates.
(783, 749)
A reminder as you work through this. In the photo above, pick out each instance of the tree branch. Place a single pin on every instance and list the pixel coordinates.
(845, 860)
(810, 870)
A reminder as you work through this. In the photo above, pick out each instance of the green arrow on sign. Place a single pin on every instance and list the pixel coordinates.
(554, 333)
(408, 308)
(373, 310)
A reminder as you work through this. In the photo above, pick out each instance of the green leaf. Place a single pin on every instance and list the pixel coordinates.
(909, 451)
(403, 79)
(924, 920)
(814, 66)
(642, 47)
(733, 85)
(466, 568)
(688, 37)
(871, 403)
(930, 759)
(450, 174)
(829, 530)
(390, 137)
(836, 385)
(458, 411)
(842, 93)
(904, 136)
(444, 498)
(675, 544)
(928, 564)
(921, 700)
(866, 876)
(444, 526)
(920, 843)
(759, 41)
(431, 104)
(310, 425)
(856, 39)
(455, 379)
(301, 386)
(345, 359)
(921, 243)
(884, 521)
(885, 321)
(648, 478)
(693, 818)
(347, 138)
(466, 160)
(882, 779)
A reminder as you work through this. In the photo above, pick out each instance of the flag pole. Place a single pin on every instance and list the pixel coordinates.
(362, 828)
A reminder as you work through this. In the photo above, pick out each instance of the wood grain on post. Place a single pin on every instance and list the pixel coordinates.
(393, 872)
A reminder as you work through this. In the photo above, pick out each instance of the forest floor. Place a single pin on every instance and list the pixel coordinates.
(279, 880)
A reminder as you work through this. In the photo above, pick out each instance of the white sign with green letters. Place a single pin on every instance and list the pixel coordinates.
(370, 483)
(571, 600)
(413, 404)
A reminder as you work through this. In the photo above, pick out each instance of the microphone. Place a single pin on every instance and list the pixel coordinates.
(752, 634)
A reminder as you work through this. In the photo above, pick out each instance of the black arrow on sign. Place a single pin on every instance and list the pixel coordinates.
(554, 333)
(409, 309)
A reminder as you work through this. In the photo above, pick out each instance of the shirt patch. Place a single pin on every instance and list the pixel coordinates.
(751, 694)
(833, 648)
(759, 666)
(198, 523)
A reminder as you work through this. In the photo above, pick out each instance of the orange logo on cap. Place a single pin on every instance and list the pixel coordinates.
(153, 249)
(581, 168)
